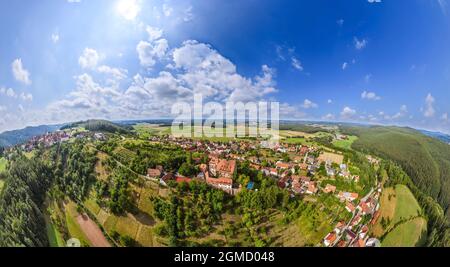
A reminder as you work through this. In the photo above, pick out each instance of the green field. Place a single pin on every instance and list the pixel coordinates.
(346, 144)
(54, 237)
(409, 232)
(3, 163)
(146, 130)
(406, 206)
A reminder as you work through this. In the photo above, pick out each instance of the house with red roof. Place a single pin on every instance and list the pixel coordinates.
(330, 239)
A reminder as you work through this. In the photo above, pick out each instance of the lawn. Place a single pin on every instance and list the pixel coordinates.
(407, 205)
(3, 163)
(407, 234)
(53, 234)
(346, 144)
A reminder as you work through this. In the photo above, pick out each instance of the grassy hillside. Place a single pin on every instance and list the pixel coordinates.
(401, 224)
(425, 159)
(100, 126)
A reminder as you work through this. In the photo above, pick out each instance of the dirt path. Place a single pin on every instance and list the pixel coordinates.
(92, 231)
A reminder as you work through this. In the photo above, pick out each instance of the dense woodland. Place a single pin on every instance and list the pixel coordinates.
(21, 221)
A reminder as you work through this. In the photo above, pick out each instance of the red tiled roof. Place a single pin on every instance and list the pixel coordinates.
(226, 181)
(180, 179)
(228, 166)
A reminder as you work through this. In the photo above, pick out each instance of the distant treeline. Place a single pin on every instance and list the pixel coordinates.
(302, 128)
(99, 126)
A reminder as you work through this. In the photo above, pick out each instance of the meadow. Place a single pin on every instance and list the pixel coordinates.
(401, 215)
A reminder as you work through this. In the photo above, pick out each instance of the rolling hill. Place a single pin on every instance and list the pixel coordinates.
(11, 138)
(100, 126)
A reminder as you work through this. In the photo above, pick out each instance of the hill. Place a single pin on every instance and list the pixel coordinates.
(425, 159)
(440, 136)
(11, 138)
(99, 126)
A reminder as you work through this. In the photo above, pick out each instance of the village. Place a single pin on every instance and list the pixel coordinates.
(298, 176)
(294, 167)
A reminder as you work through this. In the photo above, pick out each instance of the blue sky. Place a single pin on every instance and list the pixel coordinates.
(370, 61)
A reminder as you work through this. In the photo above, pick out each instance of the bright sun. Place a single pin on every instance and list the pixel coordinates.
(128, 9)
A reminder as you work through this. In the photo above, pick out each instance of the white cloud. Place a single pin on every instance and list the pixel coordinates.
(20, 73)
(128, 9)
(340, 22)
(73, 1)
(307, 104)
(374, 1)
(197, 68)
(167, 10)
(149, 52)
(402, 113)
(153, 50)
(329, 101)
(367, 78)
(348, 113)
(89, 59)
(360, 44)
(26, 96)
(329, 117)
(429, 108)
(188, 15)
(404, 108)
(154, 33)
(288, 111)
(55, 38)
(444, 117)
(296, 64)
(344, 65)
(114, 74)
(370, 96)
(9, 92)
(212, 75)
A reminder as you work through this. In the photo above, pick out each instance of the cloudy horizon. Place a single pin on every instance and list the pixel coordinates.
(72, 60)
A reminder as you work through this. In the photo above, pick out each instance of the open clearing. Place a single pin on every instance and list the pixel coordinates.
(332, 157)
(401, 208)
(346, 144)
(407, 234)
(92, 231)
(407, 205)
(54, 237)
(387, 211)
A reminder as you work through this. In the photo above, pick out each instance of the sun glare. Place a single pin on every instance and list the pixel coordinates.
(128, 9)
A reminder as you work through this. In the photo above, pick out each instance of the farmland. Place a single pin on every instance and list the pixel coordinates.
(400, 222)
(346, 144)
